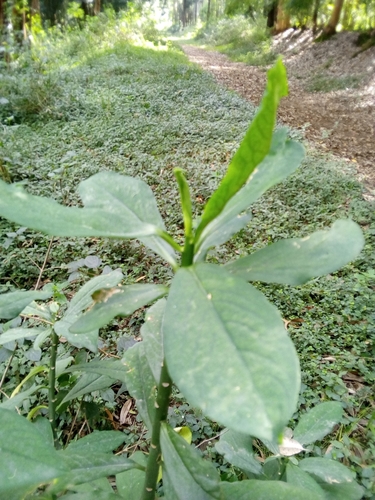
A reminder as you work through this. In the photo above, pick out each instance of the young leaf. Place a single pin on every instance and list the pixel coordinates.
(189, 475)
(96, 442)
(216, 320)
(80, 302)
(318, 422)
(152, 338)
(185, 201)
(296, 476)
(121, 301)
(140, 382)
(297, 260)
(253, 148)
(284, 158)
(13, 303)
(27, 460)
(265, 490)
(237, 449)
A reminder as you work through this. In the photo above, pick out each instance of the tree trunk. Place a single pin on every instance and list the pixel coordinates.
(97, 7)
(283, 18)
(330, 29)
(184, 13)
(208, 11)
(272, 15)
(315, 16)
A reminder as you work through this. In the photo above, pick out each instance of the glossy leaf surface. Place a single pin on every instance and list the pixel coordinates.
(253, 385)
(120, 301)
(26, 459)
(189, 475)
(318, 422)
(297, 260)
(21, 333)
(140, 382)
(80, 302)
(253, 148)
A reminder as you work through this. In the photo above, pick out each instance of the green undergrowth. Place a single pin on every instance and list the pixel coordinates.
(142, 112)
(241, 38)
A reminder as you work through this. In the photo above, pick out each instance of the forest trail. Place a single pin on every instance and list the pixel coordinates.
(340, 122)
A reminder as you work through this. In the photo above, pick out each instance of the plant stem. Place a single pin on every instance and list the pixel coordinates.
(188, 253)
(153, 463)
(51, 388)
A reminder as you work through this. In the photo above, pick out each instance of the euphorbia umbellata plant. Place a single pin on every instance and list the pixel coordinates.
(211, 333)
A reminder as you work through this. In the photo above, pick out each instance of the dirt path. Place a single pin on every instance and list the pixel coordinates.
(341, 122)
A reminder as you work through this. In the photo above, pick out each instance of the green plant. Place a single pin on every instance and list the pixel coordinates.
(216, 336)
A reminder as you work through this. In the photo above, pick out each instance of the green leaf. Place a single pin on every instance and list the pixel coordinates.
(112, 368)
(21, 333)
(343, 491)
(97, 442)
(15, 401)
(335, 479)
(89, 495)
(86, 468)
(297, 260)
(216, 320)
(140, 382)
(121, 301)
(115, 206)
(326, 470)
(265, 490)
(80, 302)
(13, 303)
(152, 337)
(253, 148)
(296, 476)
(89, 382)
(27, 460)
(284, 158)
(130, 483)
(237, 449)
(189, 475)
(318, 422)
(185, 201)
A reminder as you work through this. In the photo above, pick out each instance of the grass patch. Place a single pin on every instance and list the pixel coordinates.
(323, 83)
(141, 112)
(241, 39)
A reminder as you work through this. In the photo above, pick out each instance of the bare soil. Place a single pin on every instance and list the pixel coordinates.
(341, 122)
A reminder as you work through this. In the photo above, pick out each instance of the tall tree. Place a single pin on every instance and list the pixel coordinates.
(283, 17)
(330, 28)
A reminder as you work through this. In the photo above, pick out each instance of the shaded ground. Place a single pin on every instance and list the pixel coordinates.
(339, 121)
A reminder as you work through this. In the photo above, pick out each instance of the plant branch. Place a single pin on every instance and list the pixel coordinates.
(7, 368)
(51, 388)
(44, 264)
(153, 462)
